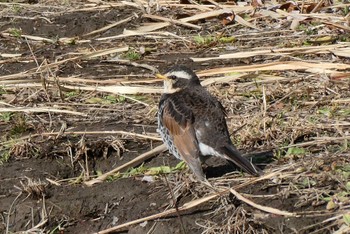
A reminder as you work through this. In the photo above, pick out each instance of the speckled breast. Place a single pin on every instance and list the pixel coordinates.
(166, 137)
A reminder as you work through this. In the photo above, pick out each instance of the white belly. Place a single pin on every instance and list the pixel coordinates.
(206, 150)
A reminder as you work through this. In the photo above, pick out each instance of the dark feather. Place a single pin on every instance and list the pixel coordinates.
(233, 155)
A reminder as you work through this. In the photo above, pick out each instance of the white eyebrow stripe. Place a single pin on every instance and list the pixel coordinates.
(179, 74)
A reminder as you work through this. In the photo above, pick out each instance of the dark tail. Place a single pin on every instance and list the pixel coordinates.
(233, 155)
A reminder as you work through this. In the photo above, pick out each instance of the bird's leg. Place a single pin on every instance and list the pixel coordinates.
(195, 164)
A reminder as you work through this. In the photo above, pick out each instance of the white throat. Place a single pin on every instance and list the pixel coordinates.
(168, 87)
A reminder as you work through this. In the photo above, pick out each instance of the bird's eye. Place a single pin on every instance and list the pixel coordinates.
(172, 77)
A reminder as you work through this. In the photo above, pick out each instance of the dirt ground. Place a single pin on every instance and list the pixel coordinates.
(56, 124)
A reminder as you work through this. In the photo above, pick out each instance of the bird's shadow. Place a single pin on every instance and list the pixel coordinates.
(217, 167)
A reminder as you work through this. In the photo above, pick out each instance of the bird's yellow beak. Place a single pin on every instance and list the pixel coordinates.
(160, 76)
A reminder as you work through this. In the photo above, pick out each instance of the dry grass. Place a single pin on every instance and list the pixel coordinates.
(283, 76)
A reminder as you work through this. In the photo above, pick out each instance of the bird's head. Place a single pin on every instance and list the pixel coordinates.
(178, 78)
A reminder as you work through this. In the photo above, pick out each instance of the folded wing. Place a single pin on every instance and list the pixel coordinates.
(179, 123)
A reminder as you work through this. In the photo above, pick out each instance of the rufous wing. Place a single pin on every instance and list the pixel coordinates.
(183, 134)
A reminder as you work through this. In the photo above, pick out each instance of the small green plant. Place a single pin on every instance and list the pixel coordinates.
(278, 154)
(226, 40)
(344, 171)
(134, 171)
(71, 94)
(17, 149)
(313, 119)
(346, 219)
(334, 200)
(18, 129)
(292, 151)
(202, 41)
(306, 29)
(16, 8)
(307, 43)
(5, 156)
(347, 186)
(6, 116)
(112, 99)
(296, 151)
(325, 111)
(344, 38)
(19, 125)
(308, 183)
(237, 141)
(94, 100)
(72, 41)
(2, 90)
(344, 112)
(132, 54)
(15, 32)
(302, 27)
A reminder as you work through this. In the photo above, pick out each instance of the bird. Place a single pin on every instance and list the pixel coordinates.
(192, 123)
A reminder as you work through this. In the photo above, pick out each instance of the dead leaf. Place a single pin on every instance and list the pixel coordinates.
(289, 6)
(258, 3)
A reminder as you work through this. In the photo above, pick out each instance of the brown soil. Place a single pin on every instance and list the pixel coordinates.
(58, 164)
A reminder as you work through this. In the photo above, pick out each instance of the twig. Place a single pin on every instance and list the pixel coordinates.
(345, 100)
(128, 62)
(156, 17)
(40, 110)
(263, 208)
(175, 204)
(9, 212)
(83, 133)
(264, 109)
(186, 206)
(109, 26)
(131, 163)
(317, 7)
(318, 140)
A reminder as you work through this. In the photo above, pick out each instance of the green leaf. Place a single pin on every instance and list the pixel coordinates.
(296, 151)
(325, 111)
(180, 166)
(71, 94)
(15, 32)
(344, 112)
(346, 167)
(331, 205)
(159, 170)
(199, 40)
(132, 54)
(308, 183)
(110, 99)
(347, 186)
(99, 173)
(346, 218)
(6, 116)
(227, 39)
(94, 100)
